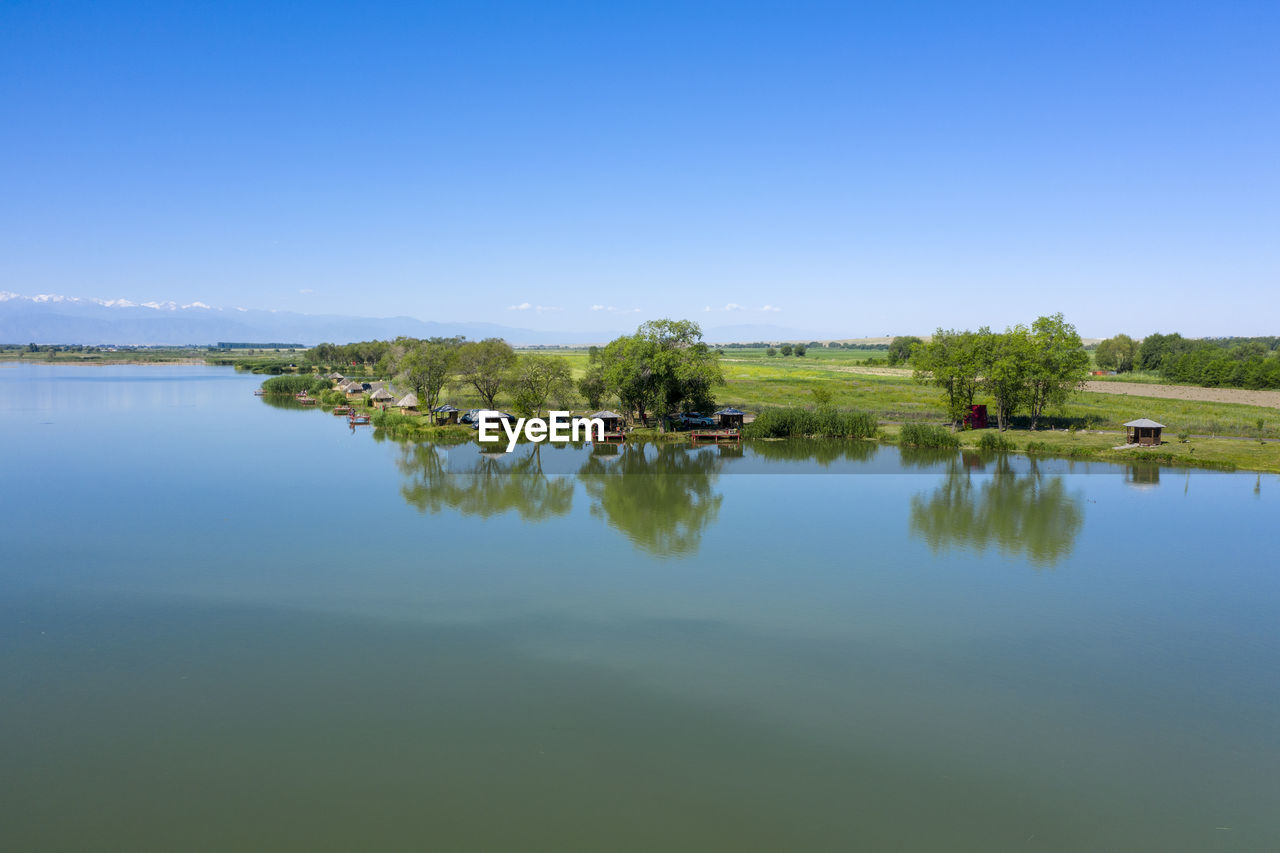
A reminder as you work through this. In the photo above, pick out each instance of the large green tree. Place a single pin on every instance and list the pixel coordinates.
(1059, 364)
(1119, 354)
(951, 361)
(486, 366)
(427, 367)
(1006, 365)
(900, 349)
(664, 364)
(539, 378)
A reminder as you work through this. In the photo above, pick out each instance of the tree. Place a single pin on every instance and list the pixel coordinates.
(785, 349)
(771, 352)
(427, 368)
(592, 386)
(900, 349)
(539, 378)
(665, 363)
(951, 361)
(1156, 349)
(1005, 361)
(1059, 364)
(800, 350)
(486, 367)
(1119, 354)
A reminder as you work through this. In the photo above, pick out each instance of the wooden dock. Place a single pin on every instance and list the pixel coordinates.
(714, 436)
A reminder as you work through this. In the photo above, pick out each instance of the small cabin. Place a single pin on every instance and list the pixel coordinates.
(731, 418)
(446, 414)
(408, 403)
(612, 421)
(1144, 432)
(382, 397)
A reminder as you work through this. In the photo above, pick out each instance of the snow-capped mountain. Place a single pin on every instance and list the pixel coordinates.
(54, 319)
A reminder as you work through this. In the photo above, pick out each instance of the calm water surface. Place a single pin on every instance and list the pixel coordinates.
(227, 624)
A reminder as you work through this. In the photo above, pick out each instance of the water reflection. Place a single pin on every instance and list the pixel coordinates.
(1142, 475)
(1027, 512)
(491, 485)
(661, 497)
(824, 451)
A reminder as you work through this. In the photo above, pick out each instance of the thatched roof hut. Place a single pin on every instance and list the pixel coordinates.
(382, 395)
(336, 376)
(408, 401)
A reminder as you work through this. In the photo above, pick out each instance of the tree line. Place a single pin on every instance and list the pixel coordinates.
(1213, 362)
(1019, 369)
(664, 367)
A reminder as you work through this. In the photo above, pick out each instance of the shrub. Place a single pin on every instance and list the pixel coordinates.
(927, 435)
(995, 443)
(292, 384)
(1037, 447)
(825, 422)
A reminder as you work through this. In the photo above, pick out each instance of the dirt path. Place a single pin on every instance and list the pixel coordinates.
(1270, 399)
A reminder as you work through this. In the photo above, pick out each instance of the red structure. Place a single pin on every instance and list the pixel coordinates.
(977, 418)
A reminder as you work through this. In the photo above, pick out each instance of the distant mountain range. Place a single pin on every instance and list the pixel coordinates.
(53, 319)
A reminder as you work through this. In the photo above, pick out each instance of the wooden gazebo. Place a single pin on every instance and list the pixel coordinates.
(611, 420)
(731, 418)
(446, 414)
(1144, 432)
(612, 425)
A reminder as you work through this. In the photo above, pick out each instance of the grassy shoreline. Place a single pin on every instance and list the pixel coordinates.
(1225, 454)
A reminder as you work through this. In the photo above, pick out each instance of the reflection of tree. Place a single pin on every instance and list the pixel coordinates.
(661, 497)
(824, 451)
(495, 484)
(284, 401)
(1029, 513)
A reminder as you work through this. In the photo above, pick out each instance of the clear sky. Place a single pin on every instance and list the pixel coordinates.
(860, 169)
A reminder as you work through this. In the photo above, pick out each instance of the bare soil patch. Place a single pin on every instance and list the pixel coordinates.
(1269, 399)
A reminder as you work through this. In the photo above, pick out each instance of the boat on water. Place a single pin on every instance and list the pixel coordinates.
(356, 420)
(259, 393)
(342, 410)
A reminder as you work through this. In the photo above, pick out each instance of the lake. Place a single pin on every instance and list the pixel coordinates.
(231, 624)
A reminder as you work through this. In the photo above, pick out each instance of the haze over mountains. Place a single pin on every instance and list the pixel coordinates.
(55, 319)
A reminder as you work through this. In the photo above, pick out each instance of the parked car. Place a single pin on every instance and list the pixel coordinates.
(502, 416)
(470, 416)
(692, 419)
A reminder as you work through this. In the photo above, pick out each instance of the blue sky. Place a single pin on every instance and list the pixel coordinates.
(859, 169)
